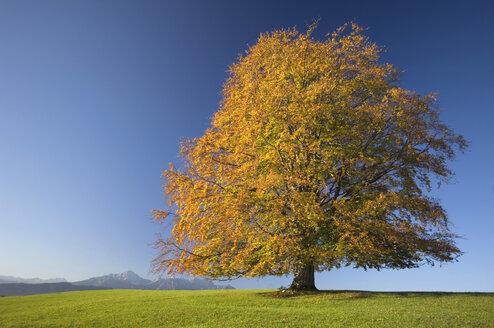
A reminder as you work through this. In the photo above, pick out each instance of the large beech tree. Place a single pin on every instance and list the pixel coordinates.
(316, 158)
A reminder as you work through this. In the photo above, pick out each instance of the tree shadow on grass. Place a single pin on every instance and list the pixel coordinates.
(359, 294)
(335, 294)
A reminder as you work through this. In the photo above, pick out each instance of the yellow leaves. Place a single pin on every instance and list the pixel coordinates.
(314, 155)
(159, 215)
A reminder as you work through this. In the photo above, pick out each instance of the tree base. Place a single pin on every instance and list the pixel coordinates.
(303, 288)
(303, 280)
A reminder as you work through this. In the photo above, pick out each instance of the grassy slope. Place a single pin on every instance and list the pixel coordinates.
(246, 308)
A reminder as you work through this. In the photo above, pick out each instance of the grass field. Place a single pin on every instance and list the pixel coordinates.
(246, 308)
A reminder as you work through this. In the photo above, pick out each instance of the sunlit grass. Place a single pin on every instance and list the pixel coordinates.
(247, 308)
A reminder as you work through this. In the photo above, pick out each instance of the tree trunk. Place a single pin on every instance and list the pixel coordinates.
(304, 279)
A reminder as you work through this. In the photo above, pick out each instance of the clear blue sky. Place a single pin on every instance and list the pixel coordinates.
(94, 96)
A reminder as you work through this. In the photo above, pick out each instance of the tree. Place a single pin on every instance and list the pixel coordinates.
(317, 158)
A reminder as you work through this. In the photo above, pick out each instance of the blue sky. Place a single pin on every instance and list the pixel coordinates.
(95, 95)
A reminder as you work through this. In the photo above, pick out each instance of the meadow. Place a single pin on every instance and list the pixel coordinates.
(247, 308)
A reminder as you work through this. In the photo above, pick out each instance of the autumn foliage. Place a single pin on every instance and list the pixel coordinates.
(316, 158)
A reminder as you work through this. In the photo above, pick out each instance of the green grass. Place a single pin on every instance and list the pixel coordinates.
(246, 308)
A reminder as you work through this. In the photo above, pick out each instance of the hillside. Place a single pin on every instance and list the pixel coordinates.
(19, 289)
(247, 308)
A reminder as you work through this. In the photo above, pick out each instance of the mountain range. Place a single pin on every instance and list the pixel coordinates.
(10, 279)
(130, 280)
(14, 286)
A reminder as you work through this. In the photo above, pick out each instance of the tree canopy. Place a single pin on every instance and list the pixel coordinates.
(316, 158)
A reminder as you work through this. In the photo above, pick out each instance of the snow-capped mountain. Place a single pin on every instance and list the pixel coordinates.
(131, 277)
(124, 280)
(130, 280)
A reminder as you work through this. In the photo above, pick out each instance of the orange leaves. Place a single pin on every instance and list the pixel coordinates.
(315, 157)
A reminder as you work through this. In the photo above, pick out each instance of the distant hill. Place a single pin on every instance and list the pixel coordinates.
(10, 279)
(14, 286)
(21, 289)
(130, 280)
